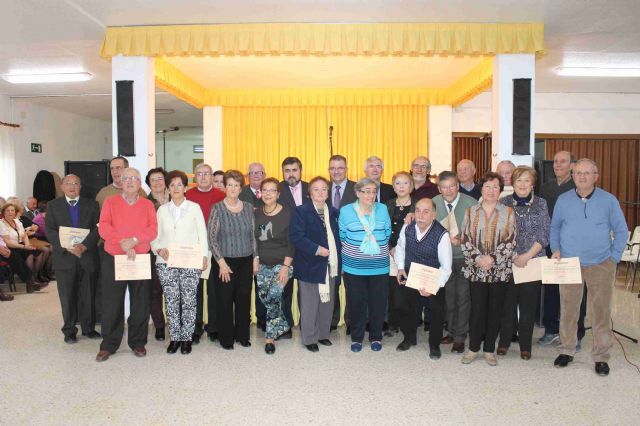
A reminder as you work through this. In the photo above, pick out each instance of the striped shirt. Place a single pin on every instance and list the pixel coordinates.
(352, 234)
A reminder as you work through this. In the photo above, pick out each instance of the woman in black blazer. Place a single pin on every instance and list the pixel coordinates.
(314, 233)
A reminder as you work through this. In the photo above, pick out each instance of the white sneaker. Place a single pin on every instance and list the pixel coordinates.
(469, 357)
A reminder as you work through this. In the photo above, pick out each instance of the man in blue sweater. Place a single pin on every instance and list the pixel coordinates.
(582, 224)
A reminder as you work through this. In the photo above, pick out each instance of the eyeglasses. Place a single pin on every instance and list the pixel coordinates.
(491, 187)
(337, 169)
(203, 174)
(257, 174)
(176, 185)
(368, 192)
(72, 183)
(421, 166)
(584, 173)
(131, 178)
(269, 191)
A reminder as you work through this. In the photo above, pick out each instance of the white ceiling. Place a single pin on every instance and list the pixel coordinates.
(67, 34)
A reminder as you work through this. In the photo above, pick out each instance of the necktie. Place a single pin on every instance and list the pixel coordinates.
(258, 195)
(450, 206)
(73, 202)
(337, 198)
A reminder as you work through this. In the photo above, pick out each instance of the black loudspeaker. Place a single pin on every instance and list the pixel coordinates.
(94, 175)
(124, 105)
(521, 116)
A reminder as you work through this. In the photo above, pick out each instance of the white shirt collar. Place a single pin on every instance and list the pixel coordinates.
(420, 235)
(69, 199)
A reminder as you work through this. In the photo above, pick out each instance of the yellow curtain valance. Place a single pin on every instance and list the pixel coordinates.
(479, 79)
(382, 39)
(178, 84)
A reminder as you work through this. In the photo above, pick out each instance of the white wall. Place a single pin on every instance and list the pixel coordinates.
(7, 160)
(63, 135)
(577, 113)
(179, 149)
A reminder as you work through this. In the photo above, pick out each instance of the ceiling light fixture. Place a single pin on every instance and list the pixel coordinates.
(48, 78)
(597, 72)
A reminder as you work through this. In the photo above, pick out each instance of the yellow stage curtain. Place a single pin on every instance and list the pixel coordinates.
(269, 134)
(408, 39)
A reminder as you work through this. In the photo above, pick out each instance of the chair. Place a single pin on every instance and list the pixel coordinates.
(7, 273)
(631, 257)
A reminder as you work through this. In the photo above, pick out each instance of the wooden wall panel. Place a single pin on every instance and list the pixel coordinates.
(476, 148)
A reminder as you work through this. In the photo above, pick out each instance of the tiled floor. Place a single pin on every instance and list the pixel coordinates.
(45, 381)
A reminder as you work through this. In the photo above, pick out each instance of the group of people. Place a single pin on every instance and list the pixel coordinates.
(367, 234)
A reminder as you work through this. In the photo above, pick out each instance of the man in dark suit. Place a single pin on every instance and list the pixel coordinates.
(75, 266)
(373, 168)
(342, 192)
(293, 193)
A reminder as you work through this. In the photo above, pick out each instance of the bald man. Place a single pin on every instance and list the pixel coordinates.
(466, 174)
(505, 169)
(425, 242)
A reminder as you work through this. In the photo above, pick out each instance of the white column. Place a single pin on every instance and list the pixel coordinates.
(505, 69)
(440, 137)
(212, 136)
(141, 70)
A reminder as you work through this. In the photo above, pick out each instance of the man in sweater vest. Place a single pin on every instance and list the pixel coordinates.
(583, 222)
(458, 293)
(425, 242)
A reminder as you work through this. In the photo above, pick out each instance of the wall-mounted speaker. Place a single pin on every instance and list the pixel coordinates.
(124, 106)
(521, 116)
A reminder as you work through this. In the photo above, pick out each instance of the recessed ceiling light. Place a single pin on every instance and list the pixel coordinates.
(597, 72)
(48, 78)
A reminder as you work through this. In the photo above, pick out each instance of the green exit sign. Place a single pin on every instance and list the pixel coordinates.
(36, 147)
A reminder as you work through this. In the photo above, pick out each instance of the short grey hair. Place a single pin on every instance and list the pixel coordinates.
(508, 162)
(71, 175)
(422, 157)
(202, 166)
(371, 160)
(590, 161)
(133, 170)
(255, 164)
(364, 182)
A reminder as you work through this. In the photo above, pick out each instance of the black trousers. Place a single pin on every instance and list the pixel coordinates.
(261, 310)
(393, 315)
(487, 303)
(233, 301)
(113, 293)
(76, 289)
(366, 293)
(211, 326)
(407, 301)
(18, 266)
(157, 314)
(525, 297)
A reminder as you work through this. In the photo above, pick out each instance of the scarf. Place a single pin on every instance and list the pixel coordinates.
(369, 244)
(332, 271)
(523, 201)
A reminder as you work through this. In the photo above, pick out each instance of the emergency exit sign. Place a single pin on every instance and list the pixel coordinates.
(36, 147)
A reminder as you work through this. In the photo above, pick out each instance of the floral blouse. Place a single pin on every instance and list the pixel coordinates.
(494, 236)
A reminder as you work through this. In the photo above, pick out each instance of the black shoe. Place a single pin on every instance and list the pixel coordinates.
(563, 360)
(385, 326)
(427, 326)
(270, 348)
(173, 347)
(435, 354)
(227, 347)
(333, 328)
(213, 336)
(515, 338)
(348, 330)
(185, 349)
(313, 347)
(262, 325)
(405, 345)
(195, 339)
(602, 369)
(71, 339)
(325, 342)
(160, 334)
(92, 334)
(245, 344)
(283, 336)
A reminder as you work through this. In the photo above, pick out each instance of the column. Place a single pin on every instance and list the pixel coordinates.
(440, 138)
(212, 136)
(140, 70)
(506, 68)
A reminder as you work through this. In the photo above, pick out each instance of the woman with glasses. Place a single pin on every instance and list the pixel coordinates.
(488, 243)
(532, 236)
(179, 222)
(232, 243)
(314, 233)
(275, 254)
(365, 228)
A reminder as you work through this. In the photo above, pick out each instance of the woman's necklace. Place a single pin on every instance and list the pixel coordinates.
(233, 207)
(269, 213)
(405, 204)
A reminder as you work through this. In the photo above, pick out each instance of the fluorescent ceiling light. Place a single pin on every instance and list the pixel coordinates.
(597, 72)
(48, 78)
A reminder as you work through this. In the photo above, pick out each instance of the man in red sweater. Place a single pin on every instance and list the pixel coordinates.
(128, 225)
(205, 195)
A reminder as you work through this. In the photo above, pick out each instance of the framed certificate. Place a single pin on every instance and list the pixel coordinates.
(129, 270)
(423, 277)
(531, 272)
(561, 271)
(184, 256)
(70, 237)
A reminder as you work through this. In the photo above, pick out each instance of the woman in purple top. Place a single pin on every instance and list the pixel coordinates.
(532, 236)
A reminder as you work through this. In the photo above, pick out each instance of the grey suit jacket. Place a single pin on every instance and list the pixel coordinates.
(348, 197)
(88, 216)
(286, 199)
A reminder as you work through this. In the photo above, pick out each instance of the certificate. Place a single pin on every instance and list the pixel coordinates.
(561, 271)
(206, 272)
(423, 277)
(70, 237)
(450, 224)
(531, 272)
(129, 270)
(185, 256)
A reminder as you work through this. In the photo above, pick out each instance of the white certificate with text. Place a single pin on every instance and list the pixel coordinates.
(561, 271)
(450, 225)
(423, 277)
(129, 270)
(70, 237)
(184, 256)
(531, 272)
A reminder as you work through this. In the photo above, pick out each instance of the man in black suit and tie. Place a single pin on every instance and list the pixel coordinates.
(373, 168)
(251, 193)
(75, 266)
(293, 193)
(342, 193)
